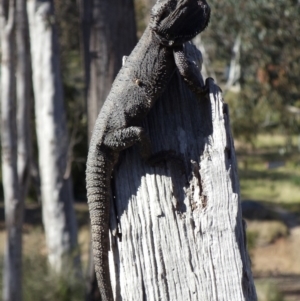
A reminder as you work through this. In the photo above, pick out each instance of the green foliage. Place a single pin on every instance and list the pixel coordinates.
(68, 21)
(141, 13)
(270, 60)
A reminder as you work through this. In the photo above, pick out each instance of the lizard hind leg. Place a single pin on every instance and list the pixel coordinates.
(121, 139)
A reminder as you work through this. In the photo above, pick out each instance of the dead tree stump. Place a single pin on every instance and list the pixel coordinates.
(180, 222)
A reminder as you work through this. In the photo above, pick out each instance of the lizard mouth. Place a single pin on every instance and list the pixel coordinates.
(179, 21)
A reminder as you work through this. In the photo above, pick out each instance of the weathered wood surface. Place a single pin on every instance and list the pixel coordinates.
(180, 221)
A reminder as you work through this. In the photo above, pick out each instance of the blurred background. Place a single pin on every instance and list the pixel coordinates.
(73, 50)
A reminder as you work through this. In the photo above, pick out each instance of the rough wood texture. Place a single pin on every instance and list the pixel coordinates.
(180, 221)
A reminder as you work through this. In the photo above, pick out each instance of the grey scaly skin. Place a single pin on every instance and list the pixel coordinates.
(139, 83)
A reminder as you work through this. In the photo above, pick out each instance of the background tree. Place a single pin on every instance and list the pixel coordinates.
(16, 138)
(13, 205)
(23, 96)
(107, 35)
(52, 137)
(68, 20)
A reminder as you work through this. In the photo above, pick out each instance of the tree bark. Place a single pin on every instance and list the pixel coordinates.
(180, 221)
(57, 196)
(23, 88)
(12, 280)
(107, 35)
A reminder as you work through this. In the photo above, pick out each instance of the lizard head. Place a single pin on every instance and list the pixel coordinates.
(177, 21)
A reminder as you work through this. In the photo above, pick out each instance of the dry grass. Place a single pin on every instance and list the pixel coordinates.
(34, 238)
(268, 291)
(279, 258)
(39, 283)
(258, 182)
(264, 233)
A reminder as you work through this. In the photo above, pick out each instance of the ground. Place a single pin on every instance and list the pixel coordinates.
(269, 175)
(278, 266)
(275, 265)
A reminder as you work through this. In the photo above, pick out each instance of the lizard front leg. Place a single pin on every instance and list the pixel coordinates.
(190, 73)
(121, 139)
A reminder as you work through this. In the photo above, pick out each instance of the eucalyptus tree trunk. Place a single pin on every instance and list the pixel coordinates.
(57, 196)
(108, 33)
(180, 222)
(23, 88)
(12, 276)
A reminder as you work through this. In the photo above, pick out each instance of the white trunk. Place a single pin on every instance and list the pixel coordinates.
(23, 87)
(207, 70)
(234, 72)
(180, 221)
(12, 280)
(57, 197)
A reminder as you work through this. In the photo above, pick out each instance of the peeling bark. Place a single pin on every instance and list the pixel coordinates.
(180, 221)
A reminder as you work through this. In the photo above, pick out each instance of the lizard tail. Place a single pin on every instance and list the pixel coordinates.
(98, 175)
